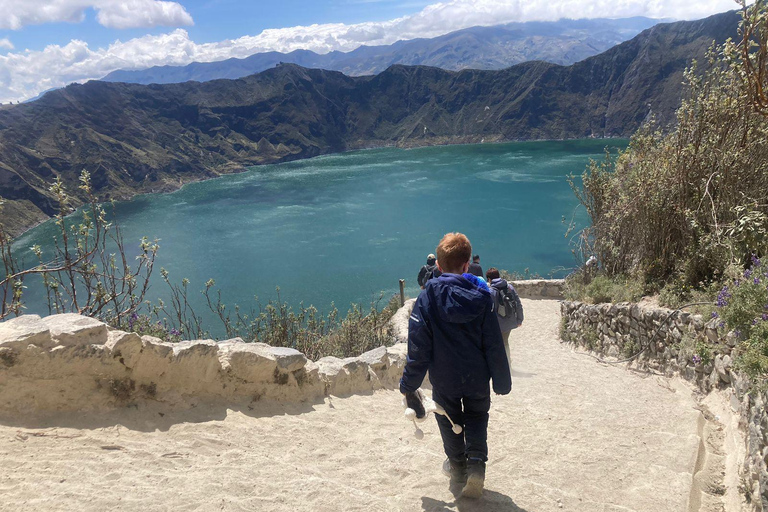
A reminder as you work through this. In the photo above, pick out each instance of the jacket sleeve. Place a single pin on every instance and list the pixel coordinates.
(518, 304)
(419, 346)
(495, 355)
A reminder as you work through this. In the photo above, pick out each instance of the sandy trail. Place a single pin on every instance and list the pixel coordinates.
(574, 435)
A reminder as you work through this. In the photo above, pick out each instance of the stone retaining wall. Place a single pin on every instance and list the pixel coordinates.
(540, 288)
(73, 363)
(678, 343)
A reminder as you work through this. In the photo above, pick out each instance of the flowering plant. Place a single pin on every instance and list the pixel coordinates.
(743, 309)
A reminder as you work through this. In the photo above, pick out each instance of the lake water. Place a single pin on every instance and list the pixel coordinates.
(344, 228)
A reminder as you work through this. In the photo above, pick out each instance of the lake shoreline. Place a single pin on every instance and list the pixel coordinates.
(168, 187)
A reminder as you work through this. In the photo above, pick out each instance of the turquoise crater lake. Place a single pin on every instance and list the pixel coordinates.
(344, 228)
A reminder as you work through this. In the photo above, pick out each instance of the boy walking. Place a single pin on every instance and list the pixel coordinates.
(453, 333)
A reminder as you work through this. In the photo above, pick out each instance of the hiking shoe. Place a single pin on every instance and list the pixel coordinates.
(455, 470)
(413, 401)
(475, 479)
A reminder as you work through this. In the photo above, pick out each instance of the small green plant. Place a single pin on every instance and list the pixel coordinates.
(8, 357)
(525, 275)
(122, 389)
(149, 390)
(590, 338)
(146, 324)
(686, 349)
(630, 348)
(703, 353)
(564, 336)
(678, 293)
(753, 353)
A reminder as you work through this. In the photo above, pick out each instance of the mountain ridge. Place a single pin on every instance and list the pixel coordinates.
(148, 138)
(562, 42)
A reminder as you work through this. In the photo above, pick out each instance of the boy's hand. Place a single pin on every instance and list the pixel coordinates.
(413, 402)
(502, 391)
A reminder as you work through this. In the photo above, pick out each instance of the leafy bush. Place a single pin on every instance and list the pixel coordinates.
(277, 324)
(602, 288)
(688, 203)
(743, 309)
(87, 272)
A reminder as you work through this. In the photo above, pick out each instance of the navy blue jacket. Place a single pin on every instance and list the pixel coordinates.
(453, 333)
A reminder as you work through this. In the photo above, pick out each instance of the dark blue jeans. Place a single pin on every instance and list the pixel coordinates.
(472, 414)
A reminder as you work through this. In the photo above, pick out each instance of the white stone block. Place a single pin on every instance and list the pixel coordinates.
(25, 330)
(70, 329)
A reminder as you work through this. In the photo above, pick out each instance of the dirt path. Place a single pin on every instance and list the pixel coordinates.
(574, 435)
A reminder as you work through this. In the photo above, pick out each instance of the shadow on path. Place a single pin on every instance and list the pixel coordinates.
(491, 501)
(151, 416)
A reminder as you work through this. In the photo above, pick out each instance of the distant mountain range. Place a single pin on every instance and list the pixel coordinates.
(147, 138)
(560, 42)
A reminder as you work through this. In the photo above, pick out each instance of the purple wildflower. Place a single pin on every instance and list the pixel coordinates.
(756, 280)
(755, 261)
(747, 273)
(721, 325)
(714, 314)
(175, 332)
(696, 359)
(765, 317)
(134, 316)
(737, 333)
(722, 297)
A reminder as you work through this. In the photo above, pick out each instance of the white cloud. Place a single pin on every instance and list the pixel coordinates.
(15, 14)
(6, 44)
(25, 74)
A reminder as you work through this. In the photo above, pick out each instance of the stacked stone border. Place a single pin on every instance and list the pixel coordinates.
(538, 289)
(684, 344)
(70, 362)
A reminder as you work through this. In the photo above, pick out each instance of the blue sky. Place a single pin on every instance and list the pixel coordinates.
(46, 44)
(215, 20)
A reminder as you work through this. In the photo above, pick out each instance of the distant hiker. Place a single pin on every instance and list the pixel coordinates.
(453, 333)
(506, 305)
(428, 271)
(474, 267)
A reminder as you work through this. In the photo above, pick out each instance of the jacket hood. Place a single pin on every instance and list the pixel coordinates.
(499, 284)
(460, 298)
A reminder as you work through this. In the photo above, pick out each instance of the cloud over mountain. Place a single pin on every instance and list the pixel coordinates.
(26, 74)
